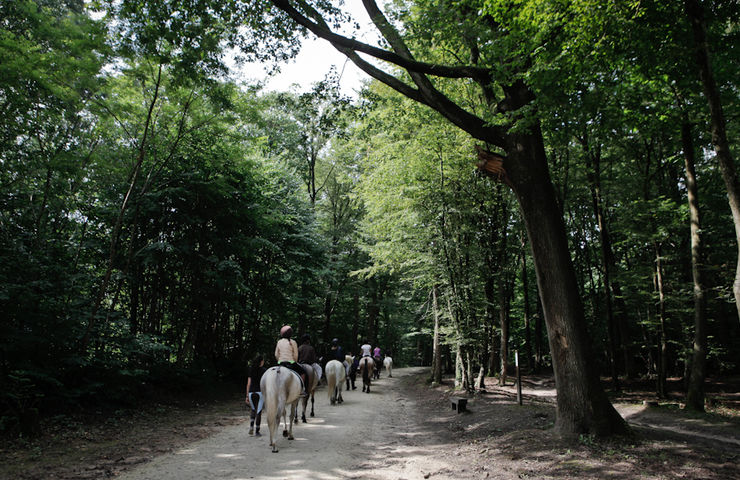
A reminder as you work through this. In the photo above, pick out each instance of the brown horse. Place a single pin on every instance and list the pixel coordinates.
(376, 370)
(280, 387)
(312, 382)
(367, 365)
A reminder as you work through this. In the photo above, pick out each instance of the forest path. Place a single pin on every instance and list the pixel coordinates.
(369, 436)
(404, 430)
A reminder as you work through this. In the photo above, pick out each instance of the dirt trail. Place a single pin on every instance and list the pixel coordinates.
(369, 436)
(405, 430)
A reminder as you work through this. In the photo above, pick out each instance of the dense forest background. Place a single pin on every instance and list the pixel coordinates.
(160, 220)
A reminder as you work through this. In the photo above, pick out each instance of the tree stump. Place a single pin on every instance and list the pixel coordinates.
(459, 404)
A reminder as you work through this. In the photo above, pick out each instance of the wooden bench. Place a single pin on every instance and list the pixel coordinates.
(459, 404)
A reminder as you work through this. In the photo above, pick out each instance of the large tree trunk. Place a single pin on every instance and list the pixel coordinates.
(697, 373)
(695, 14)
(582, 404)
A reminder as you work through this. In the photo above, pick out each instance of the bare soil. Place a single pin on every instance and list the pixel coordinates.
(403, 429)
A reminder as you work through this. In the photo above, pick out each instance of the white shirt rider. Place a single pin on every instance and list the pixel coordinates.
(366, 350)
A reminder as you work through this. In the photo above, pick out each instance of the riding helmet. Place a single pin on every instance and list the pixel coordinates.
(286, 331)
(335, 341)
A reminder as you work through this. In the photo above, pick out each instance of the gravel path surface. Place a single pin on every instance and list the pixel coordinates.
(369, 436)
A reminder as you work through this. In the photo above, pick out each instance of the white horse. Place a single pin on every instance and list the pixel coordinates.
(280, 387)
(367, 366)
(313, 376)
(335, 375)
(388, 364)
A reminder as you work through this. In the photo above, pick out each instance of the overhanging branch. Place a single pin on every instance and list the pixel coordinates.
(425, 93)
(320, 29)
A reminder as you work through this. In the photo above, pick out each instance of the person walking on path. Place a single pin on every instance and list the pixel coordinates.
(254, 395)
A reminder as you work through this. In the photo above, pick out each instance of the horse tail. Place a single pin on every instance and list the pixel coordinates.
(366, 370)
(269, 386)
(331, 381)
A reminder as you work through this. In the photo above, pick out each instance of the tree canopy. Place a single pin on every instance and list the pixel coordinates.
(160, 221)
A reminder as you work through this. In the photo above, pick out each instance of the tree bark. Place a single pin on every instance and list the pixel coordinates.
(697, 372)
(582, 404)
(662, 340)
(695, 15)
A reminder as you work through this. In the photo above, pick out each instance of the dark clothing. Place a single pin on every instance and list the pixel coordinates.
(338, 354)
(255, 373)
(255, 417)
(295, 367)
(353, 372)
(306, 354)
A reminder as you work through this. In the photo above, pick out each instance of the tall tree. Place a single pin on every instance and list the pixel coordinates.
(582, 403)
(695, 15)
(697, 372)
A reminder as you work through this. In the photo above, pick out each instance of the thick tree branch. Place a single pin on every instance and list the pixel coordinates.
(320, 29)
(425, 93)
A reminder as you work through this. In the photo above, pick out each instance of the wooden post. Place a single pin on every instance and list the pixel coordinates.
(518, 378)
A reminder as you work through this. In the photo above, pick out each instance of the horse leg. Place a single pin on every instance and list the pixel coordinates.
(294, 409)
(303, 412)
(312, 404)
(273, 422)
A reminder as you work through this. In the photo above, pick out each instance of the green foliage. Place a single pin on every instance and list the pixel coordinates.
(222, 213)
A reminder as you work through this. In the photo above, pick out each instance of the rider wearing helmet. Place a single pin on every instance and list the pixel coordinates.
(286, 353)
(338, 354)
(336, 350)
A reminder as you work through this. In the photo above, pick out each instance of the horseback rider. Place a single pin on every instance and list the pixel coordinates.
(336, 350)
(306, 352)
(286, 353)
(378, 358)
(366, 349)
(307, 355)
(338, 353)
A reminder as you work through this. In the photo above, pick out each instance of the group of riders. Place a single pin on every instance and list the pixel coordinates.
(290, 355)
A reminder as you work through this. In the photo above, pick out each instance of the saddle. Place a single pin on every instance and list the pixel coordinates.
(303, 385)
